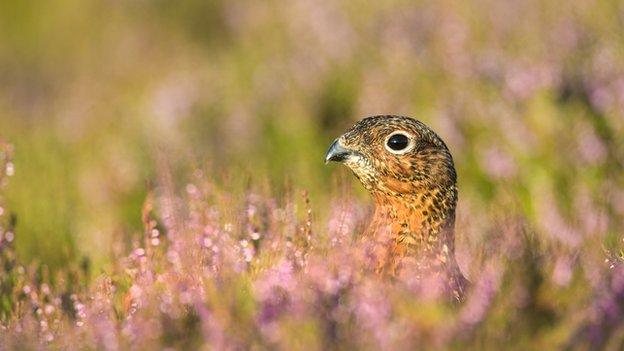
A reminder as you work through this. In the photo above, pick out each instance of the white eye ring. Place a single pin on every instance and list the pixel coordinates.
(406, 149)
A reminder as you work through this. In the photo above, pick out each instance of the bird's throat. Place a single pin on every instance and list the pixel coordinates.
(411, 227)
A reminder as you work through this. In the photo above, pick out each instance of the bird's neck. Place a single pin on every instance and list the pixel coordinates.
(418, 231)
(424, 221)
(417, 225)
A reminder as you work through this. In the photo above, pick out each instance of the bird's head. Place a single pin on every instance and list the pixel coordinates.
(397, 157)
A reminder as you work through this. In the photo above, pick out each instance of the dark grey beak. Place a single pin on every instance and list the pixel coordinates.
(337, 152)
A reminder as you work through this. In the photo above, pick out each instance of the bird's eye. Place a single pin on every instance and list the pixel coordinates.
(398, 143)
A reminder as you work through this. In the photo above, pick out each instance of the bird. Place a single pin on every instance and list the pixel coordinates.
(409, 172)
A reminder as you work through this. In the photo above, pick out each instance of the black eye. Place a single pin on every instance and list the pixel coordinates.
(398, 142)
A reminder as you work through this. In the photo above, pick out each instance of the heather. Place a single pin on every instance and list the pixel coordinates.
(162, 183)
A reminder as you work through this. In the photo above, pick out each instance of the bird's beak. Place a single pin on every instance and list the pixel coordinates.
(337, 152)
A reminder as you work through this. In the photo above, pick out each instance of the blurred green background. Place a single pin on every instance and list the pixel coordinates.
(528, 95)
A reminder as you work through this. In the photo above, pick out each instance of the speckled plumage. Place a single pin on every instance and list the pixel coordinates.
(415, 195)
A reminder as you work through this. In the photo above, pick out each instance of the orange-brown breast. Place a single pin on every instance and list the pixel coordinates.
(394, 232)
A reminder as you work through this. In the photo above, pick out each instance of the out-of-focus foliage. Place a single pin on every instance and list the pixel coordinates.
(237, 101)
(218, 272)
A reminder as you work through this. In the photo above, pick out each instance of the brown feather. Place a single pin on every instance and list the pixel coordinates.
(415, 194)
